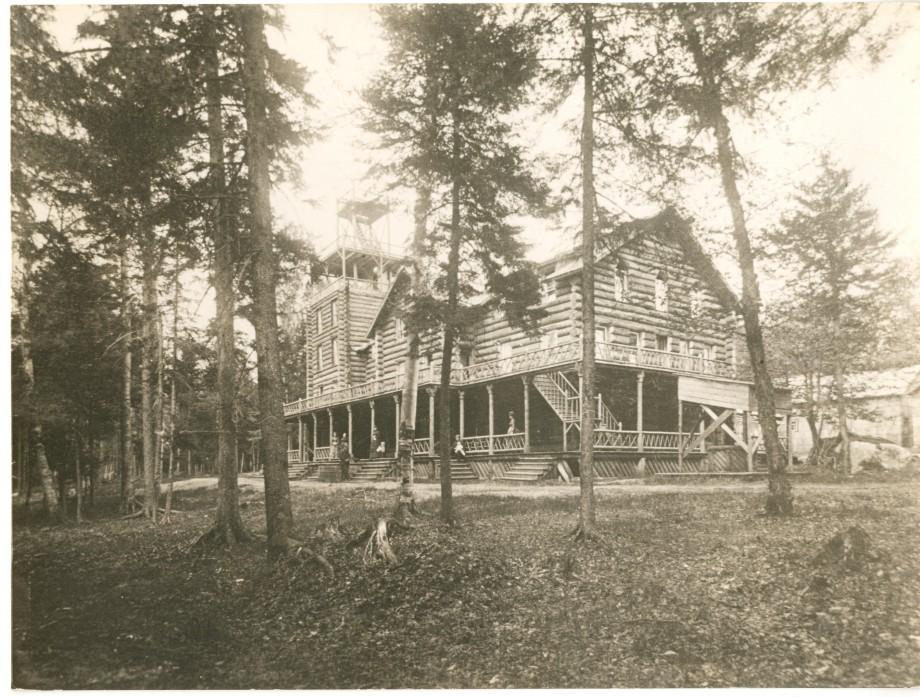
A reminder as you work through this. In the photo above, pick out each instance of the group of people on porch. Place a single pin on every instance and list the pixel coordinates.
(379, 446)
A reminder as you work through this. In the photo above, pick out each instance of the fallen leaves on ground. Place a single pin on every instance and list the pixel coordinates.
(683, 589)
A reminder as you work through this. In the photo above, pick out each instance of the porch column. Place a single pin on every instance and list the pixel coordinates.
(702, 432)
(462, 412)
(431, 391)
(348, 408)
(491, 419)
(373, 421)
(680, 435)
(315, 435)
(640, 381)
(300, 438)
(747, 440)
(526, 380)
(331, 428)
(396, 436)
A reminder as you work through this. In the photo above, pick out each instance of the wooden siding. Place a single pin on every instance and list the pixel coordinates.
(633, 320)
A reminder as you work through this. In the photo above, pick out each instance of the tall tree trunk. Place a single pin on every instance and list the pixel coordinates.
(148, 356)
(161, 414)
(586, 515)
(779, 497)
(78, 475)
(406, 499)
(228, 525)
(277, 490)
(127, 425)
(52, 506)
(840, 392)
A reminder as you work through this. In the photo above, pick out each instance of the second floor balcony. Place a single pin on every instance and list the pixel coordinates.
(523, 363)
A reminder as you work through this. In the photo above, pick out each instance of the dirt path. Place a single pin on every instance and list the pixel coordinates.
(431, 490)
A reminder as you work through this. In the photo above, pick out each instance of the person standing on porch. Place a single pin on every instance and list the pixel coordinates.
(511, 426)
(344, 457)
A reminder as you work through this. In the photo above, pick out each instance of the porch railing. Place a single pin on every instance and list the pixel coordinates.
(606, 439)
(501, 443)
(420, 446)
(521, 363)
(293, 457)
(324, 453)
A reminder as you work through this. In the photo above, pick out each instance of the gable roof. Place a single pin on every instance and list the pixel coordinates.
(391, 291)
(870, 384)
(668, 224)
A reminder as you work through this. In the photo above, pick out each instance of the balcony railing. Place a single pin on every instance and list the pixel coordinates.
(521, 363)
(605, 439)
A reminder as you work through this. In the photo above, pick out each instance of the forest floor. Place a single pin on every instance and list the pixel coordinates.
(688, 586)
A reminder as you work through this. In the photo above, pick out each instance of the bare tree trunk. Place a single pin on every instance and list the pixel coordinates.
(148, 356)
(846, 466)
(37, 445)
(127, 426)
(161, 414)
(447, 347)
(406, 500)
(277, 489)
(27, 462)
(228, 526)
(586, 515)
(779, 497)
(78, 475)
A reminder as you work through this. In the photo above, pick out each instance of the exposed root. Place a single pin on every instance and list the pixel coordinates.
(301, 550)
(779, 496)
(220, 536)
(376, 540)
(582, 535)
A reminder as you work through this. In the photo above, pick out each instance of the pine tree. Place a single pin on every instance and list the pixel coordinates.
(453, 76)
(845, 276)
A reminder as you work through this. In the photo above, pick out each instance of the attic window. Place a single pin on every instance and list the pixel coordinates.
(621, 282)
(661, 292)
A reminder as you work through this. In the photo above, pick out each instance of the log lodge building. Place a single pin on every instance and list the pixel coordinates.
(672, 376)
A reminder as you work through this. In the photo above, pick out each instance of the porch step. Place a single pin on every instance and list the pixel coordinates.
(298, 470)
(461, 471)
(531, 468)
(372, 470)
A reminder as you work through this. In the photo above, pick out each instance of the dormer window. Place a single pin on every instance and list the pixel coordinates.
(661, 292)
(621, 282)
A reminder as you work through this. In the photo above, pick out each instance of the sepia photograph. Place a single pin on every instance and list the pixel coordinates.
(442, 345)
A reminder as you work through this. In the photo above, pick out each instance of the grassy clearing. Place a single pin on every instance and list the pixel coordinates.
(687, 588)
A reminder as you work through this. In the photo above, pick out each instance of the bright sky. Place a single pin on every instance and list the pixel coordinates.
(868, 121)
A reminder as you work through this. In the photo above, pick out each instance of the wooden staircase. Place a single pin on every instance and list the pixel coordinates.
(565, 400)
(461, 472)
(299, 470)
(531, 468)
(374, 470)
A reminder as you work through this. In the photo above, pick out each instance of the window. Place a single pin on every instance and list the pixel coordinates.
(335, 352)
(679, 346)
(400, 328)
(632, 339)
(621, 282)
(600, 336)
(661, 292)
(548, 290)
(319, 321)
(320, 358)
(661, 342)
(504, 351)
(696, 303)
(333, 313)
(700, 351)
